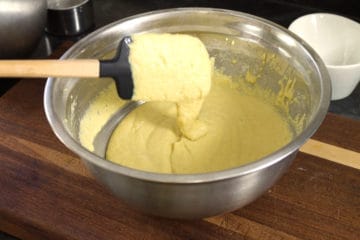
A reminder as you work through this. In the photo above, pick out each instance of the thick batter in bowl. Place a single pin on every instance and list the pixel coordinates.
(258, 56)
(242, 125)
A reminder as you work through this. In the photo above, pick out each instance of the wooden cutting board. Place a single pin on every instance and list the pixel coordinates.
(46, 192)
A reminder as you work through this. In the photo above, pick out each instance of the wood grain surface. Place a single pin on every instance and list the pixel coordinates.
(47, 193)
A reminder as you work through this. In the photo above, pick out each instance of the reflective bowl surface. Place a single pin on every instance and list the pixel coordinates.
(227, 35)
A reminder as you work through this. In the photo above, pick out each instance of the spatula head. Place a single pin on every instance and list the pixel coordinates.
(120, 70)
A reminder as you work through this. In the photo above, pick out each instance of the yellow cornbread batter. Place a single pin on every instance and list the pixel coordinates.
(176, 68)
(225, 129)
(241, 129)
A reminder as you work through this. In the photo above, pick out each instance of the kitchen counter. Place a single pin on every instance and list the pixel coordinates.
(46, 192)
(329, 192)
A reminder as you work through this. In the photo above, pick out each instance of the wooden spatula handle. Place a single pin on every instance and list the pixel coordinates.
(49, 68)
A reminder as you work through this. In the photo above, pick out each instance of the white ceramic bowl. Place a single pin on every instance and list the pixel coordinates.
(337, 40)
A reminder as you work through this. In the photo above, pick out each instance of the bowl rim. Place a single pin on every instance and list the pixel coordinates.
(67, 7)
(264, 162)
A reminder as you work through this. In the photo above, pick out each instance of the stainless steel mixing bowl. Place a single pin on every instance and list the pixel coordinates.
(228, 35)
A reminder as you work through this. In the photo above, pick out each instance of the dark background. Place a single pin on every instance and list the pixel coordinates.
(278, 11)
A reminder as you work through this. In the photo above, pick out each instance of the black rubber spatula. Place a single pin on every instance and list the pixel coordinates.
(117, 68)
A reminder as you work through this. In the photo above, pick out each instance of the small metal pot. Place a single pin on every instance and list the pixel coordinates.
(69, 17)
(22, 24)
(197, 195)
